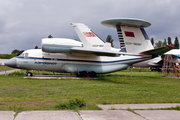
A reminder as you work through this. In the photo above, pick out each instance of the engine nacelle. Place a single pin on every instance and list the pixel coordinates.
(59, 45)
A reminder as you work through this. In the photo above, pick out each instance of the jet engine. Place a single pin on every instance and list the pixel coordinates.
(59, 45)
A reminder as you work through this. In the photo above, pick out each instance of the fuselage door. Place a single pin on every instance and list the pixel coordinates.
(26, 56)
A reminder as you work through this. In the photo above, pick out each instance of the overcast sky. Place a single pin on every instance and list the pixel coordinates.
(23, 23)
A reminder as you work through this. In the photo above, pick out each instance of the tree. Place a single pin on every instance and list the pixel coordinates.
(158, 44)
(169, 41)
(15, 51)
(164, 43)
(36, 47)
(110, 40)
(152, 41)
(20, 52)
(50, 36)
(176, 43)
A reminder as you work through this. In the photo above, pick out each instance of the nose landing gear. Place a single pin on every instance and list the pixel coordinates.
(29, 73)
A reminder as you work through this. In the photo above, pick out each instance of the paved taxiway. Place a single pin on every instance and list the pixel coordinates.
(5, 72)
(141, 112)
(54, 77)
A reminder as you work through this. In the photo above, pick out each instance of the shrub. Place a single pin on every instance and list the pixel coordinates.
(17, 73)
(72, 104)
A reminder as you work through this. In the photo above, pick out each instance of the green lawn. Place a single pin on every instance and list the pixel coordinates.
(3, 68)
(18, 93)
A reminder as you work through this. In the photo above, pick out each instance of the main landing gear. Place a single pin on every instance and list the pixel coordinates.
(86, 74)
(29, 73)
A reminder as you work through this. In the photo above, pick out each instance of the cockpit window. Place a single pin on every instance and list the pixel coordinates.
(22, 54)
(25, 55)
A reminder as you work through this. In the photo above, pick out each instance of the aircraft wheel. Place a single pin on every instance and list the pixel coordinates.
(77, 74)
(92, 74)
(83, 74)
(29, 74)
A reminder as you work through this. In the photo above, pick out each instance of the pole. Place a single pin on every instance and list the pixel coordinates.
(131, 71)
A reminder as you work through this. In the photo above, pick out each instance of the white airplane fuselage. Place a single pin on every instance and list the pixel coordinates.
(35, 59)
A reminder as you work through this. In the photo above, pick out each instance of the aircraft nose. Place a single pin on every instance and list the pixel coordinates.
(11, 63)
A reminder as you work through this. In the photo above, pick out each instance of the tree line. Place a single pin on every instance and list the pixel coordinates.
(14, 53)
(166, 42)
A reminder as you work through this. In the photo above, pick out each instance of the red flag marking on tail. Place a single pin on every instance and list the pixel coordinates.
(129, 34)
(89, 34)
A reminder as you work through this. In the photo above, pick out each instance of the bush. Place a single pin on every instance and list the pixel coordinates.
(18, 73)
(72, 104)
(7, 56)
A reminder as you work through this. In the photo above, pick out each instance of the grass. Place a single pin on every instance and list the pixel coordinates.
(3, 68)
(131, 110)
(20, 94)
(171, 108)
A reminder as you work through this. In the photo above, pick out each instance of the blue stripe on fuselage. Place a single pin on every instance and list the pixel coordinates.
(72, 60)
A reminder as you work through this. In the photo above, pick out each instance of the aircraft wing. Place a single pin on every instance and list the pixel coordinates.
(175, 53)
(173, 56)
(158, 51)
(101, 52)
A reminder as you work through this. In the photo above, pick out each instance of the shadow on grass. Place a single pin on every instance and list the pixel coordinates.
(124, 79)
(117, 78)
(114, 79)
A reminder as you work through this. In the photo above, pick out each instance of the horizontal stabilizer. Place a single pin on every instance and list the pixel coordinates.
(158, 51)
(100, 52)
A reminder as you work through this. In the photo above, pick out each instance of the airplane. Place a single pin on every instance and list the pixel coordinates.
(91, 56)
(157, 63)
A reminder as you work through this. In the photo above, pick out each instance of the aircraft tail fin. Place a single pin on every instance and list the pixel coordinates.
(131, 33)
(134, 40)
(87, 37)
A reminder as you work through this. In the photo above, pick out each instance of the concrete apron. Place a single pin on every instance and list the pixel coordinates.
(100, 114)
(138, 106)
